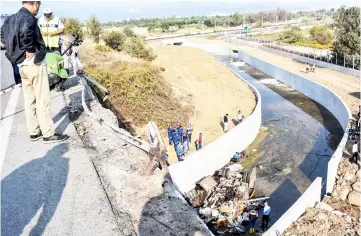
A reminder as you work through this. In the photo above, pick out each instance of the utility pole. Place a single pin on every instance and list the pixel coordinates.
(187, 25)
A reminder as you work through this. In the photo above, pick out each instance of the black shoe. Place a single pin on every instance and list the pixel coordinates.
(56, 138)
(36, 137)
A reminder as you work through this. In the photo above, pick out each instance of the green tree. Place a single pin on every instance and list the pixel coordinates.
(258, 24)
(208, 23)
(73, 25)
(321, 33)
(347, 25)
(164, 26)
(236, 20)
(136, 47)
(94, 28)
(128, 32)
(293, 35)
(115, 40)
(305, 20)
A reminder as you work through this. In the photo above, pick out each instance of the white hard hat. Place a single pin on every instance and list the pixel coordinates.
(47, 11)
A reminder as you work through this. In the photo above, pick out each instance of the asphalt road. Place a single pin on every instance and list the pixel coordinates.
(47, 189)
(7, 76)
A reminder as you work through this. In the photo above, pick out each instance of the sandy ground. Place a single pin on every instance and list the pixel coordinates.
(346, 86)
(199, 80)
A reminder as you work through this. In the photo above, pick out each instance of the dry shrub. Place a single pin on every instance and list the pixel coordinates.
(140, 93)
(103, 48)
(115, 40)
(136, 47)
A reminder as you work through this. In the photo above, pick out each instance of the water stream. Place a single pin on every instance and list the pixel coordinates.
(302, 137)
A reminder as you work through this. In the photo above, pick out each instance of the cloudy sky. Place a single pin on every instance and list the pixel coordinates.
(115, 10)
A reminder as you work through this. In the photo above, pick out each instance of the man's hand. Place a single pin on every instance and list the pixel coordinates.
(44, 33)
(50, 34)
(29, 55)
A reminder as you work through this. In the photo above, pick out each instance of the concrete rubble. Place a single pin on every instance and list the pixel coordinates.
(143, 204)
(346, 194)
(324, 222)
(338, 214)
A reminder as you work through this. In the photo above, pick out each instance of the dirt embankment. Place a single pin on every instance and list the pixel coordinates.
(197, 79)
(194, 88)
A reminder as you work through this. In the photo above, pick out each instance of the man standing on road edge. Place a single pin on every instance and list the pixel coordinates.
(25, 46)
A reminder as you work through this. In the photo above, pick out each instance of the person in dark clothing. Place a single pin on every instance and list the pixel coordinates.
(253, 216)
(25, 47)
(175, 139)
(180, 133)
(266, 215)
(184, 136)
(166, 158)
(225, 123)
(170, 134)
(189, 132)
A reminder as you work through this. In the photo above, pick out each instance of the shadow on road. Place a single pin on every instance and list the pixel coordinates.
(32, 192)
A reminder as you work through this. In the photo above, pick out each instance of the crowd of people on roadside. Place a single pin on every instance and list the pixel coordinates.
(181, 139)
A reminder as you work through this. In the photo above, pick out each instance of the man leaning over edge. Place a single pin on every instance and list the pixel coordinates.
(25, 46)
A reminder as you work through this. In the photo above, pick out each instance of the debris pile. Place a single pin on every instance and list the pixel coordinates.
(346, 194)
(222, 198)
(324, 221)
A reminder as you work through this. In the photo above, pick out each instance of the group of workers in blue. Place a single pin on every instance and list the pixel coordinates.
(181, 139)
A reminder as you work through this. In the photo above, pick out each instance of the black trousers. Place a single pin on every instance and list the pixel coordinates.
(354, 157)
(16, 72)
(265, 219)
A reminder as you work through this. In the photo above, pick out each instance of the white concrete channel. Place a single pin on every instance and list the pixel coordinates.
(330, 101)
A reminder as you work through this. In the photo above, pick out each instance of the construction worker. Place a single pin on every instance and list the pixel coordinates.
(52, 28)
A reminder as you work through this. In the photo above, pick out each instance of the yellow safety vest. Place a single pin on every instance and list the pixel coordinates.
(50, 26)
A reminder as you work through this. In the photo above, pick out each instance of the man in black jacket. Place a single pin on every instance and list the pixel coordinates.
(25, 47)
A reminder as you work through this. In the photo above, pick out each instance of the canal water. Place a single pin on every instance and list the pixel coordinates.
(302, 137)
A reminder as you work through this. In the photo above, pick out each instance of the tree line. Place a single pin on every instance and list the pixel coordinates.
(232, 20)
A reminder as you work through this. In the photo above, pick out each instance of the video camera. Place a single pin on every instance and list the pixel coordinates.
(75, 41)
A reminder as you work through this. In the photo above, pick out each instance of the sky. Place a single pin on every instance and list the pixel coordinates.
(117, 10)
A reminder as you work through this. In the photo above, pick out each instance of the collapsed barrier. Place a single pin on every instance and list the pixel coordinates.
(217, 154)
(330, 101)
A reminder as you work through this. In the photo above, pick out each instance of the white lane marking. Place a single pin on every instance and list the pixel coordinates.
(7, 123)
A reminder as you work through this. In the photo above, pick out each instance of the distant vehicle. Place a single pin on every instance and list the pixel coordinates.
(247, 30)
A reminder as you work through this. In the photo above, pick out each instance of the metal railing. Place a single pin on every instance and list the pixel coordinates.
(324, 55)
